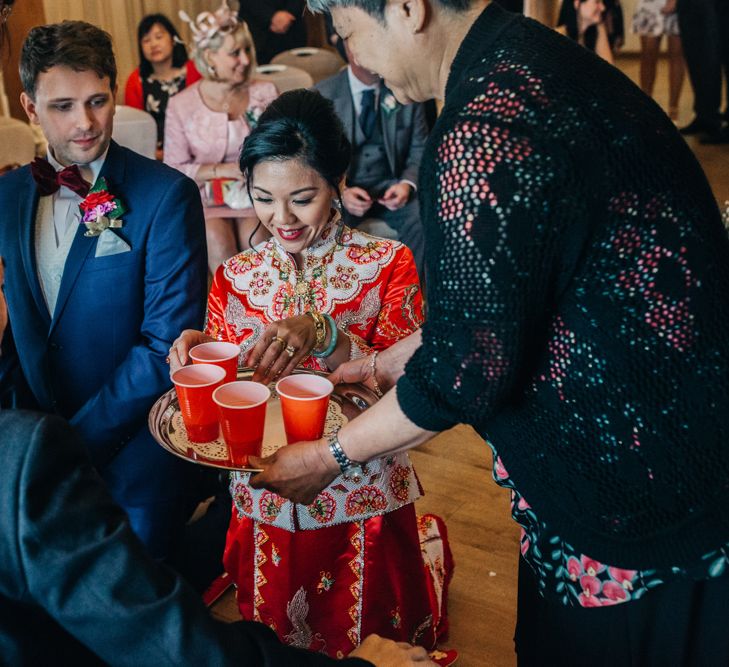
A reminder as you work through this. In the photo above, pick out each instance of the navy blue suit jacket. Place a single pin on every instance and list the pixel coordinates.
(99, 360)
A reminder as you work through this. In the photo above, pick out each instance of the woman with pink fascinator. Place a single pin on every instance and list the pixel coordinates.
(207, 123)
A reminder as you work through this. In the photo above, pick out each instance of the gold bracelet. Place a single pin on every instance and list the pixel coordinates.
(373, 361)
(321, 328)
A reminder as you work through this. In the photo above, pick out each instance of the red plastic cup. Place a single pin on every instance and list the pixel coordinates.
(219, 353)
(304, 403)
(242, 414)
(195, 385)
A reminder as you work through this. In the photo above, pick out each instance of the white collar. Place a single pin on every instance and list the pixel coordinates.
(357, 87)
(89, 171)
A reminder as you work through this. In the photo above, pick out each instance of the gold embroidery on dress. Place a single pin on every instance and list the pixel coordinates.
(259, 579)
(357, 566)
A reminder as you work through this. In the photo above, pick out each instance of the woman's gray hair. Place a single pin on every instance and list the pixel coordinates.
(376, 8)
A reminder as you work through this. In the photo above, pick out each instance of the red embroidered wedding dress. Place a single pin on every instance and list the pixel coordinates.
(357, 560)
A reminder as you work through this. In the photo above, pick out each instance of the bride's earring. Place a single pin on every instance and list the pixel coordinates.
(337, 219)
(336, 211)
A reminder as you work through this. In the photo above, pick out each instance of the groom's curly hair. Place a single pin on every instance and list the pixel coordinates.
(75, 44)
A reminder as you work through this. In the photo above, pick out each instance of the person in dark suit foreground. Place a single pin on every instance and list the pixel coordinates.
(76, 582)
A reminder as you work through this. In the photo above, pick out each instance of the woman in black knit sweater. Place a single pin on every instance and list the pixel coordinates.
(578, 274)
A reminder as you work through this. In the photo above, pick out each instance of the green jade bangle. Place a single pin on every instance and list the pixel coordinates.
(333, 342)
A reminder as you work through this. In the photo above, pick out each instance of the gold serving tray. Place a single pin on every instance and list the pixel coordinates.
(165, 423)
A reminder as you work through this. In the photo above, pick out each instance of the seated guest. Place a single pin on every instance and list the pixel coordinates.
(96, 296)
(208, 121)
(319, 293)
(582, 20)
(163, 70)
(276, 25)
(387, 143)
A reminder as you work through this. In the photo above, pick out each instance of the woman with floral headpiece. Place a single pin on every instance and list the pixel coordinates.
(357, 560)
(207, 123)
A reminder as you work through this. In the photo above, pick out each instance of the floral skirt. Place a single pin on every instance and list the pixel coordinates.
(327, 589)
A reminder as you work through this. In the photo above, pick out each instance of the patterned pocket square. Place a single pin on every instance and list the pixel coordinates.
(110, 244)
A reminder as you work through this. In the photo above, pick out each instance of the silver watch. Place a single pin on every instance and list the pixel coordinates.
(348, 467)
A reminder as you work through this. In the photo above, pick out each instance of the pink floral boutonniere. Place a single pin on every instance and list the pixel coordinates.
(101, 209)
(389, 103)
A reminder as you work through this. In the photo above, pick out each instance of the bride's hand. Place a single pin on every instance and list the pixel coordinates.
(281, 347)
(178, 355)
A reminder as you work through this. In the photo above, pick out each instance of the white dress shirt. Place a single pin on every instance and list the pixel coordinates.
(356, 87)
(56, 223)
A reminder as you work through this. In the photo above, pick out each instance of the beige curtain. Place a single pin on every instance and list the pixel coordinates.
(121, 17)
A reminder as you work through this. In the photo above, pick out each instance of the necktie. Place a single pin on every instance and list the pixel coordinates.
(367, 115)
(49, 180)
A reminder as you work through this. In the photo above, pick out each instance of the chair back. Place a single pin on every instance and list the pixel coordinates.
(135, 129)
(284, 77)
(319, 63)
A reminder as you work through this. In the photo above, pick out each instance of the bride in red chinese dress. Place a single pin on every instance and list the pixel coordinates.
(357, 560)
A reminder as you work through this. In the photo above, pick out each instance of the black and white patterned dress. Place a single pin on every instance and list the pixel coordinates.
(649, 21)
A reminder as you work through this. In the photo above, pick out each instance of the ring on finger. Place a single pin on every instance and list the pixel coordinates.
(290, 350)
(279, 340)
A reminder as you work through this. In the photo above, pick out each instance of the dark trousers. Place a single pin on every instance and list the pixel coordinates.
(679, 623)
(704, 26)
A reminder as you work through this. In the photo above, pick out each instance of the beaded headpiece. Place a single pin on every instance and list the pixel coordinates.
(208, 25)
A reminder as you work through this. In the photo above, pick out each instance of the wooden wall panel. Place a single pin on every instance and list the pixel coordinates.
(25, 15)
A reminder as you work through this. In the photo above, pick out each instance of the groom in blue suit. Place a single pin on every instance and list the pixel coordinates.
(95, 303)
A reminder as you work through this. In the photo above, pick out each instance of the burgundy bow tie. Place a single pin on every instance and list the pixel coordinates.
(49, 180)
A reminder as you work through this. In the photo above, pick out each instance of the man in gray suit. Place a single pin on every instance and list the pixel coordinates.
(387, 144)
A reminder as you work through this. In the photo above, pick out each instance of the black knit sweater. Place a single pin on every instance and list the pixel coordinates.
(578, 280)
